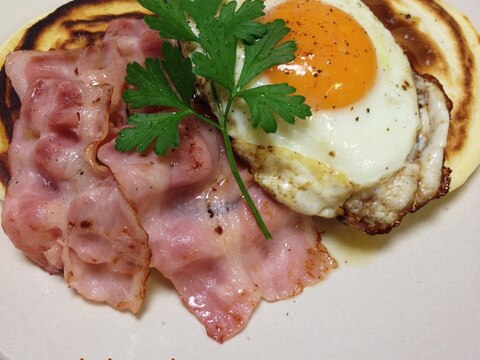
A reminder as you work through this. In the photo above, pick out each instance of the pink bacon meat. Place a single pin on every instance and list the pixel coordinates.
(63, 209)
(201, 233)
(204, 238)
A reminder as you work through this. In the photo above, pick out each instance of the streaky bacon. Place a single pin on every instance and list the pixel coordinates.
(203, 236)
(87, 226)
(201, 233)
(125, 41)
(62, 208)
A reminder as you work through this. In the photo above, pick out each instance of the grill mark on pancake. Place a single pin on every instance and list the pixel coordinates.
(9, 109)
(419, 48)
(9, 105)
(458, 128)
(62, 12)
(4, 169)
(91, 37)
(461, 120)
(101, 19)
(88, 38)
(82, 36)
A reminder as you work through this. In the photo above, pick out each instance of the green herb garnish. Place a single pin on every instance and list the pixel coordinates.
(217, 29)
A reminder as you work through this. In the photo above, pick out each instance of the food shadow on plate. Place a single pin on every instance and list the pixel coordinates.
(157, 285)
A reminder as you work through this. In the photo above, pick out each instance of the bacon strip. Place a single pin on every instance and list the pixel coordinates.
(62, 208)
(80, 216)
(204, 238)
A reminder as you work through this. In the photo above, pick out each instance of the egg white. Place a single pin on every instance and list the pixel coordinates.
(315, 165)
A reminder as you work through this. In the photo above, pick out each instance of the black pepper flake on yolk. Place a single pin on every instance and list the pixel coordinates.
(335, 62)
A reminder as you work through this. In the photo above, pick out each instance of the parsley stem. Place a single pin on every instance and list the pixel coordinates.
(223, 120)
(233, 167)
(243, 188)
(208, 121)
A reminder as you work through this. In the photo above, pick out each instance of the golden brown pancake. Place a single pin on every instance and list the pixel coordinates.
(453, 58)
(442, 42)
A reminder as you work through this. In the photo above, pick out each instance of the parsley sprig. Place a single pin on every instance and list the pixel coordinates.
(218, 30)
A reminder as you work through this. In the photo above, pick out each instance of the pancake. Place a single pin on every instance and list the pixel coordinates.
(442, 42)
(437, 38)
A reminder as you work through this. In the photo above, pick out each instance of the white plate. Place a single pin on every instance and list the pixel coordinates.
(414, 294)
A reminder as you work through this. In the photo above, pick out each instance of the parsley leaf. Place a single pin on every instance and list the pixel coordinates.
(262, 54)
(218, 38)
(201, 11)
(153, 86)
(154, 89)
(179, 71)
(240, 23)
(170, 19)
(160, 128)
(266, 100)
(217, 62)
(214, 31)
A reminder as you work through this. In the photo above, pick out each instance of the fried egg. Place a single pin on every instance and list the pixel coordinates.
(367, 131)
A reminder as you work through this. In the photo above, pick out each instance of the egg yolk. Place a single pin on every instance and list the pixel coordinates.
(335, 62)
